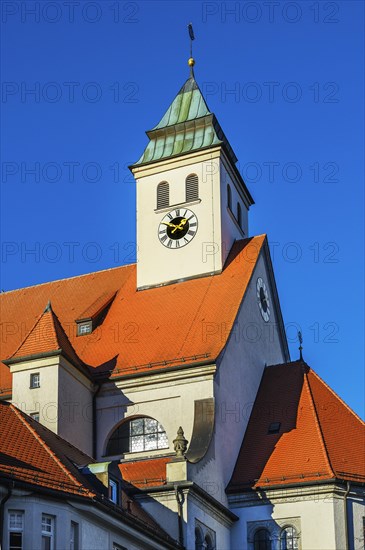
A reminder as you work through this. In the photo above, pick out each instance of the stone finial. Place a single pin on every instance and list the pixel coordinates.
(180, 443)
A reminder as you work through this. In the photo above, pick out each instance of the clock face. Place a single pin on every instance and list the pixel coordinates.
(178, 228)
(263, 299)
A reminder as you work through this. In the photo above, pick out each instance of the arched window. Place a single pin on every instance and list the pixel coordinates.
(239, 215)
(191, 188)
(288, 539)
(198, 539)
(208, 543)
(138, 434)
(163, 194)
(229, 197)
(261, 540)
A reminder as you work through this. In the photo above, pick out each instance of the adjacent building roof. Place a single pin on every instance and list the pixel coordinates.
(145, 473)
(136, 336)
(319, 437)
(32, 455)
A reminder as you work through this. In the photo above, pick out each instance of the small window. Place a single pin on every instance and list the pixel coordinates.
(84, 328)
(113, 491)
(74, 538)
(289, 539)
(261, 540)
(229, 197)
(47, 532)
(139, 434)
(35, 416)
(274, 428)
(191, 188)
(16, 526)
(118, 547)
(239, 215)
(35, 380)
(163, 194)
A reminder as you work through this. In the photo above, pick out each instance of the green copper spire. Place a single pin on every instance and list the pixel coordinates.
(189, 104)
(187, 126)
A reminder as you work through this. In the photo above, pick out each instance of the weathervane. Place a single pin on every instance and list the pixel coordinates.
(191, 61)
(300, 338)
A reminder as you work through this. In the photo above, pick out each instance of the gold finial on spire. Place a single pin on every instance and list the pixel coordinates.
(191, 61)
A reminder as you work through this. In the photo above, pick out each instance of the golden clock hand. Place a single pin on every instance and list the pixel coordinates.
(180, 226)
(170, 224)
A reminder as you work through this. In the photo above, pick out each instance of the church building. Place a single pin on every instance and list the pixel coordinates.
(155, 405)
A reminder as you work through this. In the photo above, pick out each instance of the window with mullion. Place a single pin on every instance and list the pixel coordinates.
(16, 525)
(136, 435)
(47, 532)
(146, 434)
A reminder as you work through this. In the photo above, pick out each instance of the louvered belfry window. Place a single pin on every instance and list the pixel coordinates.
(192, 187)
(163, 194)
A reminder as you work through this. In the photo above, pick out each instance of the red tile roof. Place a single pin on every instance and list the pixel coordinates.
(142, 330)
(30, 453)
(320, 437)
(26, 454)
(145, 473)
(46, 336)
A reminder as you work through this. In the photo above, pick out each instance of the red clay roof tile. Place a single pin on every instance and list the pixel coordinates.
(319, 436)
(27, 457)
(145, 473)
(46, 336)
(143, 330)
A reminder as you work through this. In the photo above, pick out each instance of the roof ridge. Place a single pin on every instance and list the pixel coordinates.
(339, 398)
(53, 455)
(28, 334)
(318, 425)
(67, 278)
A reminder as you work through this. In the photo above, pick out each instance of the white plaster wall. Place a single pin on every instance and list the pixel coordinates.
(316, 520)
(356, 511)
(97, 530)
(252, 344)
(171, 402)
(75, 408)
(357, 507)
(43, 399)
(195, 510)
(230, 230)
(156, 263)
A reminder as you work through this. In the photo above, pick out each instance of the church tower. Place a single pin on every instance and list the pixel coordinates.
(192, 203)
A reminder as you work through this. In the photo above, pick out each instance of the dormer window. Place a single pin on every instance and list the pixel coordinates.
(85, 327)
(95, 314)
(191, 188)
(274, 428)
(35, 380)
(163, 194)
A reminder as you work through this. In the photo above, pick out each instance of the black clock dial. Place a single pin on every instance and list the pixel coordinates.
(181, 227)
(178, 228)
(263, 299)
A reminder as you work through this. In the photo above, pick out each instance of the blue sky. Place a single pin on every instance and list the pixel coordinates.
(82, 81)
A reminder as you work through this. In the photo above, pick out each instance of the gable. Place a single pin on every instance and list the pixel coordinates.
(143, 331)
